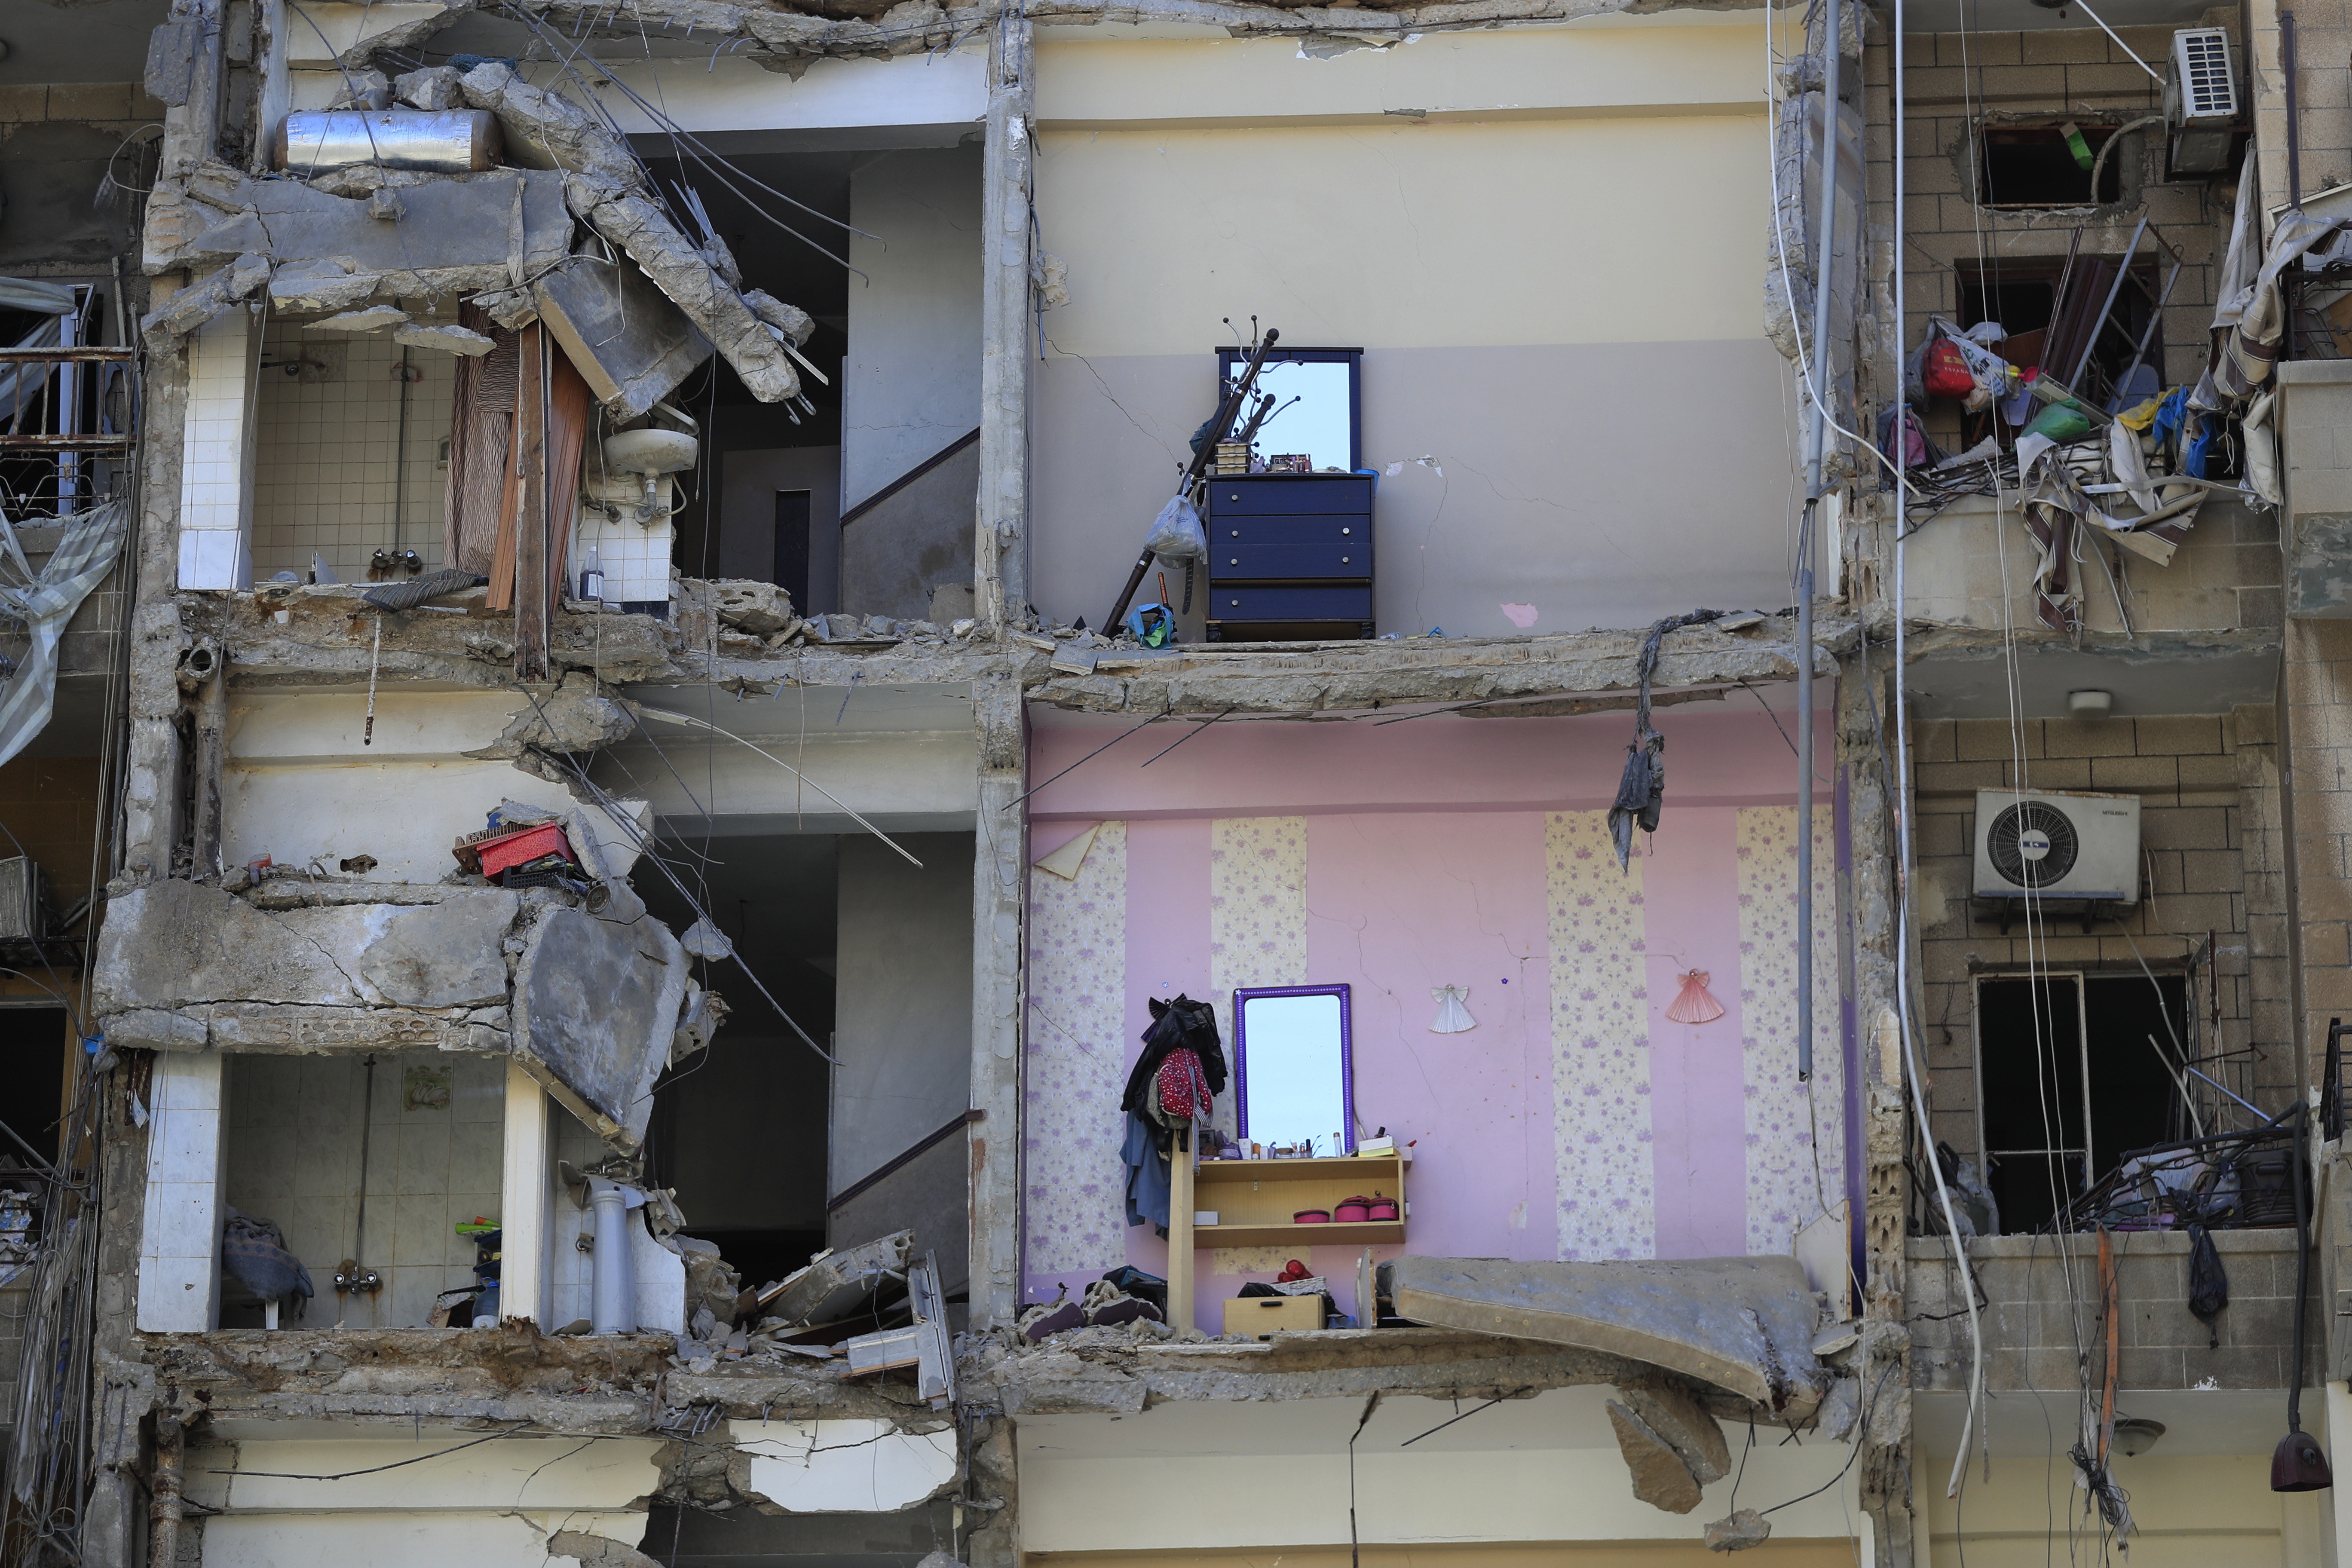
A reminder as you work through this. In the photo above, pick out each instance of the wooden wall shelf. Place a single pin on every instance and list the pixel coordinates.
(1255, 1199)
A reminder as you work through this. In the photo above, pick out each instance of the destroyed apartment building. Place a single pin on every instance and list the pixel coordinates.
(1116, 784)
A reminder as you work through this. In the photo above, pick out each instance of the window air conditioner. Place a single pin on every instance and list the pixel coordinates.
(23, 899)
(2200, 100)
(2060, 845)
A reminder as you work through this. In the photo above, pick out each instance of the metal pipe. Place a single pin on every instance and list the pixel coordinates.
(2293, 114)
(436, 141)
(163, 1488)
(1832, 50)
(211, 755)
(2155, 319)
(2091, 339)
(613, 1308)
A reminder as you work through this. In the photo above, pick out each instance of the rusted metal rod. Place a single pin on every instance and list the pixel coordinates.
(61, 355)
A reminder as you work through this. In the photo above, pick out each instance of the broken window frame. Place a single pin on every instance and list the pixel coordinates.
(2084, 1156)
(1986, 1154)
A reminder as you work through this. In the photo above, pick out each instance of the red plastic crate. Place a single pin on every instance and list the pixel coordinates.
(498, 853)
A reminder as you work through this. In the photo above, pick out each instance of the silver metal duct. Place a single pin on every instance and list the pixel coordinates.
(436, 141)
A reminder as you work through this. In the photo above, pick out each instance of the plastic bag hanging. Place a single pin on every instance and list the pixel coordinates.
(1176, 532)
(1694, 1004)
(1453, 1017)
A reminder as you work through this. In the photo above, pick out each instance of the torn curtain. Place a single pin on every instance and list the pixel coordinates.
(43, 601)
(481, 446)
(483, 497)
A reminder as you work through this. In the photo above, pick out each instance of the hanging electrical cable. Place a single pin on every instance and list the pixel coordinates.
(1905, 869)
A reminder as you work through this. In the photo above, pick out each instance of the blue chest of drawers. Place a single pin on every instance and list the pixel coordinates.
(1290, 557)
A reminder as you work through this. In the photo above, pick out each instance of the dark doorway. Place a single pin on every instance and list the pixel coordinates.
(792, 544)
(33, 1067)
(2059, 1053)
(739, 1129)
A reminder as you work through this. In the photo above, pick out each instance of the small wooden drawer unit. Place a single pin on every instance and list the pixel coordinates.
(1263, 1317)
(1290, 557)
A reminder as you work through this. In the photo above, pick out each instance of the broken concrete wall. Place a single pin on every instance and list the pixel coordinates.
(435, 765)
(190, 967)
(595, 1002)
(591, 1008)
(606, 186)
(438, 234)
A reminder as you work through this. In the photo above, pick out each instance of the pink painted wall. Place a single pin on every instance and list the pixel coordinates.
(1426, 868)
(1691, 886)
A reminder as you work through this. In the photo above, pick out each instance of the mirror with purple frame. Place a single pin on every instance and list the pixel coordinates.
(1293, 1072)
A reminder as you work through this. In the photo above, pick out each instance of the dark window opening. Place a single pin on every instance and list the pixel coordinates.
(2035, 166)
(33, 1047)
(2061, 1054)
(791, 570)
(740, 1538)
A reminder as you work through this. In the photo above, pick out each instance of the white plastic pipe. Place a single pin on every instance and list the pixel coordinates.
(613, 1296)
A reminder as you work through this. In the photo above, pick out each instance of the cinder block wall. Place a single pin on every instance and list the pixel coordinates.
(1952, 82)
(2040, 1314)
(2209, 838)
(1973, 565)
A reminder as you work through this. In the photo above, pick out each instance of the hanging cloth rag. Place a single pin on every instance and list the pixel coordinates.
(571, 407)
(1642, 791)
(45, 600)
(1181, 1024)
(2250, 351)
(20, 385)
(1148, 1178)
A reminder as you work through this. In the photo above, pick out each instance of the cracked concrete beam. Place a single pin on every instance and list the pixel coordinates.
(460, 232)
(603, 185)
(221, 292)
(276, 1029)
(1745, 1324)
(909, 28)
(1437, 1362)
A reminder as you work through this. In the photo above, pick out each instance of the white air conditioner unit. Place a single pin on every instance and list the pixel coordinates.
(23, 899)
(2057, 844)
(2200, 100)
